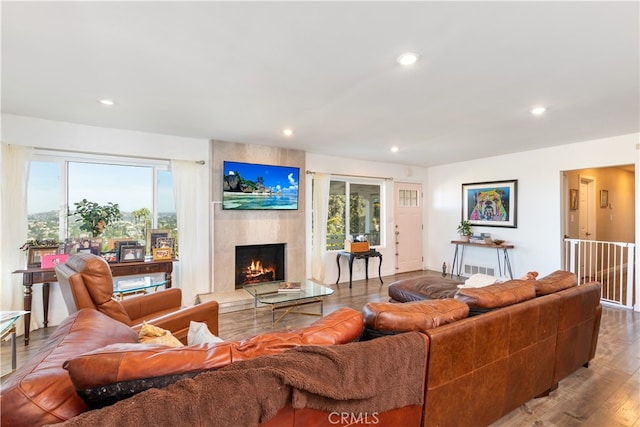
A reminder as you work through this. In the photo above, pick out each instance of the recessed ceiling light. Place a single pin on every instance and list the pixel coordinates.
(287, 132)
(106, 102)
(408, 58)
(537, 111)
(395, 149)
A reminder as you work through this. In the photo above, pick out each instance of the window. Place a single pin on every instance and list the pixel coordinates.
(408, 198)
(43, 200)
(142, 189)
(358, 218)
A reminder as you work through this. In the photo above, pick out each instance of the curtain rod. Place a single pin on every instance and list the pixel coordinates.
(386, 178)
(89, 153)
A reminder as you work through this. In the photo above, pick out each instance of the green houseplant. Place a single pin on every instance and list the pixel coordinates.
(94, 217)
(464, 229)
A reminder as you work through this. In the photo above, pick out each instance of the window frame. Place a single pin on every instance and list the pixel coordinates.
(349, 181)
(64, 158)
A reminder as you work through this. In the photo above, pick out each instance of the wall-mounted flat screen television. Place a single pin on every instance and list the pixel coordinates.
(250, 186)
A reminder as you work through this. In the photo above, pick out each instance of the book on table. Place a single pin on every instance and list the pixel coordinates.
(289, 287)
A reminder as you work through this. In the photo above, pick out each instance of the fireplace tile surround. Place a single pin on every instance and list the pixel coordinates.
(243, 228)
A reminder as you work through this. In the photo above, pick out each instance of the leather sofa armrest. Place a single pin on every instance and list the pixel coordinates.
(178, 321)
(153, 304)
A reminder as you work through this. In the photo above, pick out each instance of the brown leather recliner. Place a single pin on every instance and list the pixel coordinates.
(86, 282)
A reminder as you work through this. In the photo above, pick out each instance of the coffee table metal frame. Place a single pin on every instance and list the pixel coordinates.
(266, 293)
(8, 321)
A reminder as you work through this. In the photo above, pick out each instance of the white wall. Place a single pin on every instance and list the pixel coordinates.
(538, 235)
(47, 134)
(341, 165)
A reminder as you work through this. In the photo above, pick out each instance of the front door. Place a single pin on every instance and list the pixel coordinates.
(408, 226)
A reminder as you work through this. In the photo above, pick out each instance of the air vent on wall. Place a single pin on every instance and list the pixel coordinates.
(475, 269)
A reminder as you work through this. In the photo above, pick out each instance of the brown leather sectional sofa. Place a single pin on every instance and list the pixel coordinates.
(531, 334)
(466, 370)
(92, 360)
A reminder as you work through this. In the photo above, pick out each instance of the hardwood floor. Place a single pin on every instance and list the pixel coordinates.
(605, 394)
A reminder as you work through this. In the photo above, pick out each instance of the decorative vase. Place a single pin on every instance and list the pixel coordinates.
(464, 238)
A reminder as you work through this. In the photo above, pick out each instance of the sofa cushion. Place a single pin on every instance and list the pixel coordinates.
(556, 281)
(498, 295)
(125, 369)
(413, 316)
(40, 391)
(422, 288)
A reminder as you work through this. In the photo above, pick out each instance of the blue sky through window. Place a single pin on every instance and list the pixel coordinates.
(129, 186)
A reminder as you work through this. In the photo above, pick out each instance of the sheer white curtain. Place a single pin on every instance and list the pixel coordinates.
(14, 164)
(191, 193)
(320, 215)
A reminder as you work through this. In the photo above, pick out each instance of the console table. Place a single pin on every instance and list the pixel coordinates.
(31, 276)
(505, 254)
(362, 255)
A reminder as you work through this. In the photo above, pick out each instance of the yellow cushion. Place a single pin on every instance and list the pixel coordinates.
(150, 334)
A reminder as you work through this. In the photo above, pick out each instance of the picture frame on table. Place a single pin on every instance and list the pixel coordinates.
(160, 254)
(573, 199)
(50, 261)
(153, 235)
(491, 203)
(165, 242)
(131, 253)
(119, 244)
(35, 255)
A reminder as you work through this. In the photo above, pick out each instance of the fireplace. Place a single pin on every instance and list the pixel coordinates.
(259, 263)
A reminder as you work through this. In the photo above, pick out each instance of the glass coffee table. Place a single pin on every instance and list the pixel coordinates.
(134, 286)
(278, 296)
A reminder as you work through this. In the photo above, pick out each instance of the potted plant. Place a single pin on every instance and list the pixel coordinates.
(464, 229)
(94, 217)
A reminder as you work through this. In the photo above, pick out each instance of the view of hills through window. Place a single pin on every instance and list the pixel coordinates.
(131, 187)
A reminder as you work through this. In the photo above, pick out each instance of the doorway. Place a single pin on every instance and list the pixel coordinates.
(408, 226)
(599, 222)
(587, 208)
(596, 216)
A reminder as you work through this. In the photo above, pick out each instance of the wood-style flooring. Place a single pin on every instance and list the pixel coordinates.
(607, 394)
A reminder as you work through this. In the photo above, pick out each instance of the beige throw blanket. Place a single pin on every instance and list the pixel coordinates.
(371, 376)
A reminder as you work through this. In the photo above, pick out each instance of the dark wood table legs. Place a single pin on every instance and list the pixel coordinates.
(363, 255)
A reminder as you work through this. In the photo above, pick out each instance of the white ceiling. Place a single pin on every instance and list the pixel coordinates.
(243, 71)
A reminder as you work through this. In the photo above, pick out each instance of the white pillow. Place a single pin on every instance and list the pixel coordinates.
(480, 280)
(200, 334)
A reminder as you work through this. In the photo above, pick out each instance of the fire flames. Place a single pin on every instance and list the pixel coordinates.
(256, 272)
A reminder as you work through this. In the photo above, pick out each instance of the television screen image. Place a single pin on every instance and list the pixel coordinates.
(250, 186)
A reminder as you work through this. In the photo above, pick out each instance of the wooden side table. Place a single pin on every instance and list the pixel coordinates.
(505, 254)
(359, 255)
